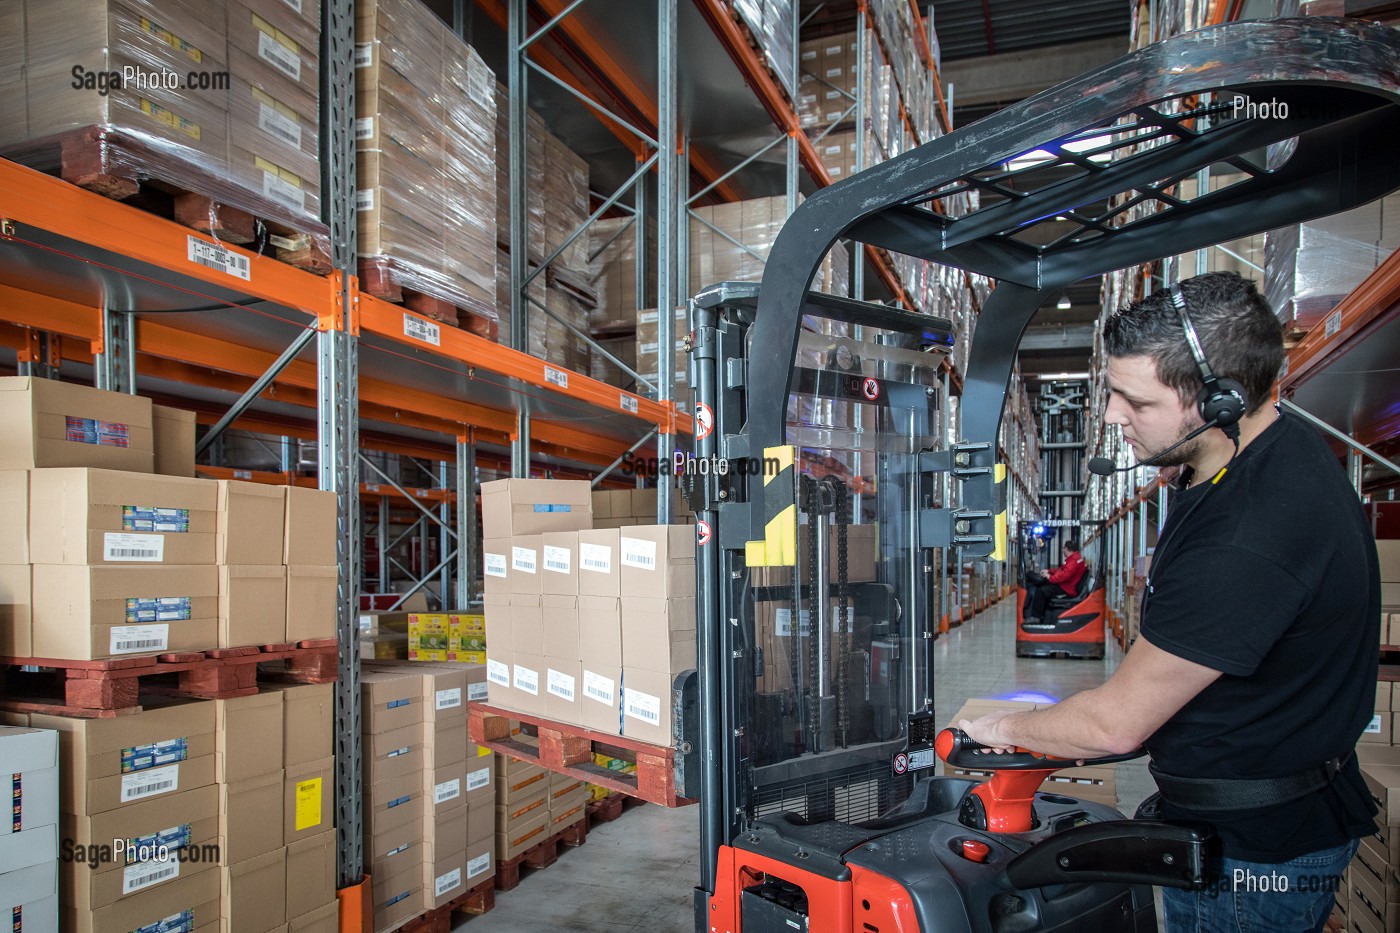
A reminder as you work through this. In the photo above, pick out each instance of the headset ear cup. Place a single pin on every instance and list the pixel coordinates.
(1223, 403)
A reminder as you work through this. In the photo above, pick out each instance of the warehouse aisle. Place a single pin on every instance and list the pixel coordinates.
(637, 872)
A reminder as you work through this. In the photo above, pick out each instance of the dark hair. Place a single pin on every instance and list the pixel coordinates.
(1071, 544)
(1241, 337)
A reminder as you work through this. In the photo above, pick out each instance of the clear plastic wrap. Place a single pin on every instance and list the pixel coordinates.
(612, 271)
(427, 159)
(111, 94)
(771, 24)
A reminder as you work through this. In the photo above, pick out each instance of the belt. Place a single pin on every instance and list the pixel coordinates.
(1244, 793)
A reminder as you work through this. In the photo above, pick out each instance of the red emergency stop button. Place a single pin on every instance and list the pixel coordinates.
(975, 850)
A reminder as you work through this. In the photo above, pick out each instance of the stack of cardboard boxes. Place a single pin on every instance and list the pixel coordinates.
(29, 837)
(613, 273)
(714, 257)
(657, 577)
(618, 508)
(1369, 897)
(533, 804)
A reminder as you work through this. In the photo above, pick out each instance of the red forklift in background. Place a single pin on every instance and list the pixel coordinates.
(808, 731)
(1072, 624)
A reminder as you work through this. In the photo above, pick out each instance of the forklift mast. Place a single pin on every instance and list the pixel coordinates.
(813, 659)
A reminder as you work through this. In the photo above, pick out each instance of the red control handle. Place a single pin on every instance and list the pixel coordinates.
(959, 750)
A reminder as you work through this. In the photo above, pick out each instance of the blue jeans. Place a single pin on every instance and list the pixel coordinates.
(1258, 897)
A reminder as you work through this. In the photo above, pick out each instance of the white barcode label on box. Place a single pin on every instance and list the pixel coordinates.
(447, 882)
(478, 779)
(478, 865)
(476, 692)
(523, 559)
(595, 557)
(364, 55)
(629, 403)
(527, 680)
(143, 875)
(419, 329)
(850, 620)
(136, 639)
(279, 56)
(1375, 726)
(449, 699)
(556, 377)
(558, 559)
(130, 547)
(279, 125)
(364, 128)
(782, 623)
(447, 790)
(495, 565)
(150, 782)
(213, 256)
(639, 553)
(561, 685)
(284, 192)
(641, 706)
(498, 672)
(294, 4)
(364, 199)
(600, 688)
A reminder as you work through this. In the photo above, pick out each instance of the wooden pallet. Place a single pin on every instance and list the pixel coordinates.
(479, 900)
(380, 276)
(606, 809)
(569, 749)
(542, 855)
(105, 161)
(109, 688)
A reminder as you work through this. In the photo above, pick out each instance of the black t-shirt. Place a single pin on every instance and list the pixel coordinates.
(1271, 577)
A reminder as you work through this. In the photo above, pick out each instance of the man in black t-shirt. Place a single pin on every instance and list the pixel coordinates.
(1252, 679)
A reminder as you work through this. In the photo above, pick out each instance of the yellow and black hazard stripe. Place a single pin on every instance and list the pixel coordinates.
(779, 504)
(999, 512)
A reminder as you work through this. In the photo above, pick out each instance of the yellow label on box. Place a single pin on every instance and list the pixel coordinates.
(170, 119)
(308, 804)
(471, 657)
(172, 40)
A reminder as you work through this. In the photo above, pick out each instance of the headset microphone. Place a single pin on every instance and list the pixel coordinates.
(1102, 466)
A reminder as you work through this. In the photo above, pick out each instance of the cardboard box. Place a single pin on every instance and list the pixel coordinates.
(252, 605)
(647, 706)
(498, 676)
(445, 879)
(104, 764)
(526, 572)
(562, 695)
(194, 892)
(430, 637)
(392, 755)
(445, 834)
(395, 809)
(31, 764)
(89, 613)
(517, 779)
(308, 722)
(495, 558)
(390, 700)
(399, 897)
(445, 789)
(324, 920)
(658, 634)
(568, 812)
(279, 40)
(1378, 730)
(657, 560)
(251, 522)
(602, 504)
(29, 897)
(16, 611)
(560, 636)
(481, 823)
(599, 570)
(172, 432)
(308, 797)
(600, 698)
(311, 874)
(527, 683)
(515, 839)
(251, 817)
(481, 860)
(1384, 692)
(309, 539)
(600, 630)
(398, 844)
(248, 736)
(445, 743)
(14, 514)
(47, 423)
(559, 559)
(620, 503)
(255, 892)
(862, 547)
(525, 806)
(512, 507)
(312, 602)
(526, 624)
(82, 516)
(480, 781)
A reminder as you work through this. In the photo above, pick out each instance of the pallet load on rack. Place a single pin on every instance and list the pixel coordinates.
(714, 257)
(29, 846)
(426, 160)
(612, 272)
(618, 508)
(213, 105)
(1369, 897)
(770, 24)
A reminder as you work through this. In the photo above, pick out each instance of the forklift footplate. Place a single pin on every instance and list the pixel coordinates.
(1088, 651)
(569, 749)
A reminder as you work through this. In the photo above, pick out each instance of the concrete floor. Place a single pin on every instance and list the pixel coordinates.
(637, 872)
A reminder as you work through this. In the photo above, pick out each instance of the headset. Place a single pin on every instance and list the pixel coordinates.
(1221, 402)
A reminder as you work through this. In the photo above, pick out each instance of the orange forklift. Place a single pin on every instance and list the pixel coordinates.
(807, 731)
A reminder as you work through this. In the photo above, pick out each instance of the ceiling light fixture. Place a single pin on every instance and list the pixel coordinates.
(1063, 304)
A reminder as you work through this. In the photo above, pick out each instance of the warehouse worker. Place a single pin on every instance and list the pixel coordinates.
(1252, 679)
(1063, 579)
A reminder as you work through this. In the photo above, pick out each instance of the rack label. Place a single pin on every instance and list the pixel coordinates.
(118, 546)
(561, 685)
(639, 553)
(419, 329)
(284, 56)
(146, 519)
(135, 639)
(145, 874)
(523, 559)
(641, 706)
(595, 557)
(213, 256)
(527, 680)
(558, 559)
(628, 403)
(1333, 325)
(600, 688)
(495, 565)
(556, 377)
(150, 782)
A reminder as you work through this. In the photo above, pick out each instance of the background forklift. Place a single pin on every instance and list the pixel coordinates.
(811, 738)
(1072, 626)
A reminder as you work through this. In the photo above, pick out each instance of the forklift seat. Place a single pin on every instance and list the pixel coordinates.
(1063, 600)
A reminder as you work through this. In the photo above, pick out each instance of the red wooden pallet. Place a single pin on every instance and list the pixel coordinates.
(380, 277)
(538, 856)
(479, 900)
(109, 688)
(606, 809)
(569, 749)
